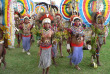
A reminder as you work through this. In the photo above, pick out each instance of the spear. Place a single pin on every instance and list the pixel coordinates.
(73, 10)
(50, 6)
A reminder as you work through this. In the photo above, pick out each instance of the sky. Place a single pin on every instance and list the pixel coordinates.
(57, 2)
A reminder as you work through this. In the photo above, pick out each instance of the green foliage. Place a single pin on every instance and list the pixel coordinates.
(58, 36)
(36, 32)
(97, 31)
(61, 35)
(94, 39)
(93, 44)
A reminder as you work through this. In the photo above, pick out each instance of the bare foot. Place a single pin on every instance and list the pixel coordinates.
(61, 55)
(43, 71)
(55, 63)
(77, 67)
(98, 63)
(4, 67)
(70, 64)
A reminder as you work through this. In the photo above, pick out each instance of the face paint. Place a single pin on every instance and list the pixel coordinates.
(46, 25)
(77, 22)
(26, 21)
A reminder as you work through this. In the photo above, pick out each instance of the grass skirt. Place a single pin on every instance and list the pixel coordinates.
(45, 58)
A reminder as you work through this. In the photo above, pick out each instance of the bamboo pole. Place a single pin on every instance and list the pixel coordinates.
(73, 5)
(50, 5)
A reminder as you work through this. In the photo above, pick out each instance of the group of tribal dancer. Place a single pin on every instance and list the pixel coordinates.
(46, 27)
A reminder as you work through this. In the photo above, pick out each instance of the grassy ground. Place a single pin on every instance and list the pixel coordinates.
(21, 63)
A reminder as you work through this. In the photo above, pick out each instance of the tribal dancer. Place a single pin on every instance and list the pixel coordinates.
(75, 41)
(2, 47)
(17, 23)
(32, 21)
(54, 45)
(46, 42)
(26, 36)
(60, 28)
(3, 38)
(99, 31)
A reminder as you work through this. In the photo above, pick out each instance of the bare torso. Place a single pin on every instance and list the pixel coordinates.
(77, 36)
(26, 28)
(46, 36)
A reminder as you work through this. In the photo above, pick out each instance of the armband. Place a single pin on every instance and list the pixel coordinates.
(68, 46)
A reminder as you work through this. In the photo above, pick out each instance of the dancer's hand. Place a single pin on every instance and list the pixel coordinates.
(54, 42)
(68, 50)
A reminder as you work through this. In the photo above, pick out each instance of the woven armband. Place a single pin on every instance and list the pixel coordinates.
(68, 46)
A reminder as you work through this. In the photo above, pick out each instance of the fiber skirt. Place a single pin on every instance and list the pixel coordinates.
(26, 43)
(77, 55)
(54, 50)
(101, 39)
(45, 58)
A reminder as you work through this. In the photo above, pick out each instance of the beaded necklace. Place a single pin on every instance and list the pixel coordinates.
(26, 25)
(77, 30)
(46, 32)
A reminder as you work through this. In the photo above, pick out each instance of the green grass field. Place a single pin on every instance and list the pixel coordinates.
(21, 63)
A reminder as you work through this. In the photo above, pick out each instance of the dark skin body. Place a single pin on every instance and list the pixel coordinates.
(43, 40)
(100, 21)
(17, 22)
(60, 44)
(26, 21)
(50, 38)
(58, 19)
(73, 39)
(32, 37)
(2, 48)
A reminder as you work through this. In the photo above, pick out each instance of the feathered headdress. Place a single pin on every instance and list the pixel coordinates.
(45, 17)
(73, 18)
(58, 15)
(97, 15)
(16, 14)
